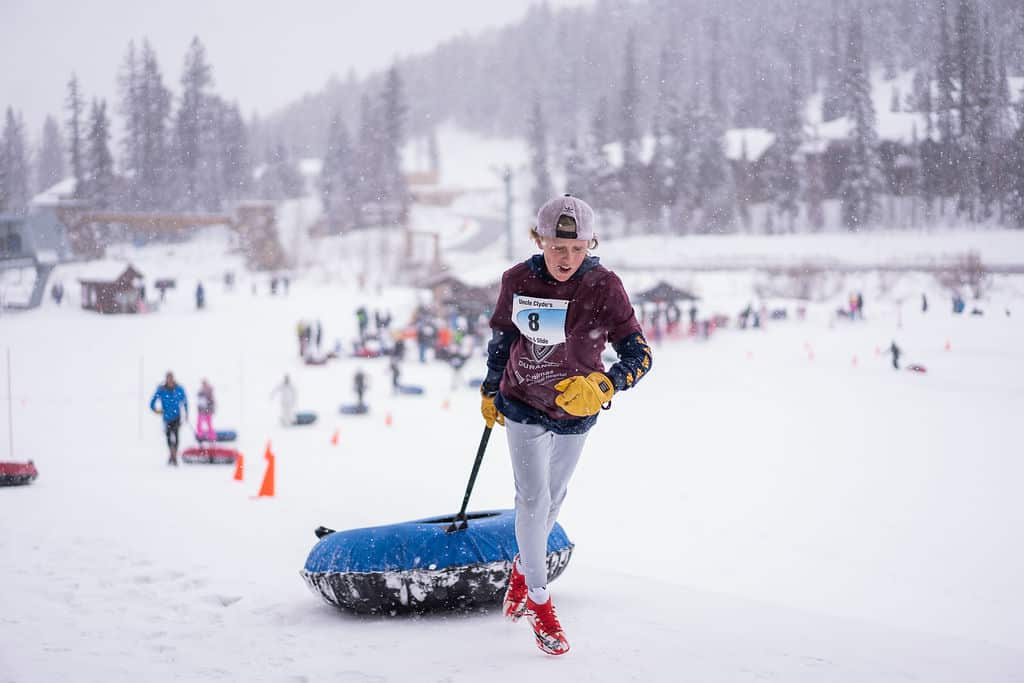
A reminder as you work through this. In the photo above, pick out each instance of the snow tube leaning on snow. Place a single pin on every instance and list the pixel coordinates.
(226, 435)
(416, 566)
(306, 418)
(410, 390)
(219, 455)
(354, 409)
(17, 473)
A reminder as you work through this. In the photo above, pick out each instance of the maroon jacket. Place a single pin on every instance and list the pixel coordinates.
(545, 331)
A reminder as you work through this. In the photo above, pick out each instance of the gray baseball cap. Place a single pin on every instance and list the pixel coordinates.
(567, 205)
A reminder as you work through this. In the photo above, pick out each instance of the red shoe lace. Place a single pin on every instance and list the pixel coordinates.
(546, 616)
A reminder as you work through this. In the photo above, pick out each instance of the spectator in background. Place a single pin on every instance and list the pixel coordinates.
(204, 407)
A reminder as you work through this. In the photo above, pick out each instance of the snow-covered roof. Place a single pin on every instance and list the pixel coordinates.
(55, 194)
(310, 167)
(104, 270)
(896, 126)
(748, 143)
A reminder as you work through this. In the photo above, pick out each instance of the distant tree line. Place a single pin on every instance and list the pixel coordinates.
(635, 97)
(192, 152)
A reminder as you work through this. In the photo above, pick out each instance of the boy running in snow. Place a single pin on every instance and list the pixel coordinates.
(546, 384)
(172, 404)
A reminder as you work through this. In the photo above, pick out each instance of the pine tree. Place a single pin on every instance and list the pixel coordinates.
(631, 172)
(945, 154)
(192, 118)
(833, 104)
(537, 141)
(394, 110)
(577, 180)
(992, 130)
(281, 178)
(154, 175)
(434, 153)
(662, 173)
(784, 175)
(235, 164)
(1016, 177)
(967, 60)
(99, 163)
(862, 178)
(74, 123)
(50, 158)
(684, 163)
(14, 181)
(130, 107)
(368, 172)
(337, 178)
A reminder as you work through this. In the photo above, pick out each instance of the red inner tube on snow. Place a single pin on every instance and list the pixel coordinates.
(17, 473)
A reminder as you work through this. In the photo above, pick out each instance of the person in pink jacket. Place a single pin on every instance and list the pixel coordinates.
(205, 407)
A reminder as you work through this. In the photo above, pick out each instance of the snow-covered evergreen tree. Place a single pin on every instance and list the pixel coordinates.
(152, 180)
(235, 160)
(783, 177)
(833, 102)
(394, 189)
(50, 157)
(338, 178)
(74, 122)
(631, 173)
(537, 141)
(99, 162)
(862, 181)
(129, 82)
(192, 121)
(14, 173)
(280, 178)
(1016, 177)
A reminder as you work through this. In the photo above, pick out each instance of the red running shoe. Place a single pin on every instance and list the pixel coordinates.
(514, 604)
(550, 638)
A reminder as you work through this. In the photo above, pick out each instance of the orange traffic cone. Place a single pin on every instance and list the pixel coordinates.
(948, 345)
(446, 404)
(334, 438)
(267, 487)
(387, 419)
(239, 468)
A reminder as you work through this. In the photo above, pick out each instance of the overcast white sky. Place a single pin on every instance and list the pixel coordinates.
(264, 53)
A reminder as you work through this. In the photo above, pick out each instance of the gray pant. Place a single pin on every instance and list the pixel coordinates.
(543, 463)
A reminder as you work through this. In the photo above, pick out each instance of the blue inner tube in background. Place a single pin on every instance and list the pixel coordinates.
(226, 435)
(416, 566)
(354, 409)
(410, 389)
(304, 418)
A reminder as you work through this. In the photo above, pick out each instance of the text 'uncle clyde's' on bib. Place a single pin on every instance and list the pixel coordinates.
(542, 321)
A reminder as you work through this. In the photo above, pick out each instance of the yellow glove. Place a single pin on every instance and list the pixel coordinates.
(582, 396)
(490, 411)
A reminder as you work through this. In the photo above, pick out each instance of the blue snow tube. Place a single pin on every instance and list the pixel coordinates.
(354, 409)
(417, 567)
(410, 390)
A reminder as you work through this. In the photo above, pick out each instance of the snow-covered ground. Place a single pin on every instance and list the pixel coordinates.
(769, 504)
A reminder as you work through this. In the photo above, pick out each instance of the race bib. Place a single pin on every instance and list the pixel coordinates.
(542, 321)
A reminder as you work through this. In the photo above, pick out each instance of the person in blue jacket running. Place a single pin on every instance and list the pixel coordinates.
(172, 405)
